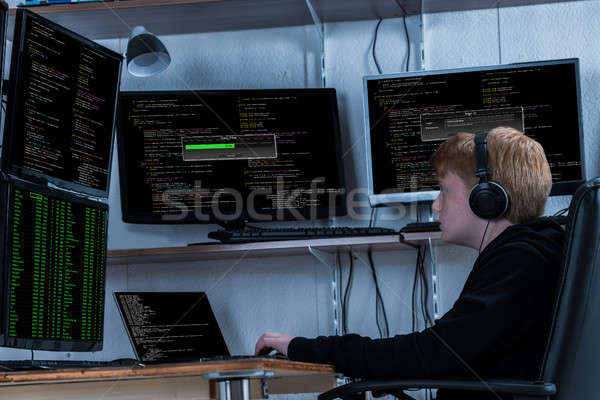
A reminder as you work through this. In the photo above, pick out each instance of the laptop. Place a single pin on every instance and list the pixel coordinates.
(169, 327)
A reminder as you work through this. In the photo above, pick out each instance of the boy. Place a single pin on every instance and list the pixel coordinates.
(499, 325)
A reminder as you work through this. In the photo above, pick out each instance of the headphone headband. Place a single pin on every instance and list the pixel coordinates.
(482, 171)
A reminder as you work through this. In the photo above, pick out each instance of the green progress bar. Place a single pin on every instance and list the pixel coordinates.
(210, 146)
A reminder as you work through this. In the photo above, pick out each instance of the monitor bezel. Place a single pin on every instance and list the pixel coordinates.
(15, 104)
(149, 218)
(41, 344)
(383, 199)
(3, 27)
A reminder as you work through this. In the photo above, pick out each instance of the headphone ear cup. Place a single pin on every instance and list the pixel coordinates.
(488, 200)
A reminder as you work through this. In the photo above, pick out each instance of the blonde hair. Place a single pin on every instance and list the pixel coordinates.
(515, 161)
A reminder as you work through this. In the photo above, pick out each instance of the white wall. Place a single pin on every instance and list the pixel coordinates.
(293, 294)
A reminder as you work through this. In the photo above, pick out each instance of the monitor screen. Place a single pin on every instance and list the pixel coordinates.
(409, 115)
(53, 269)
(211, 156)
(61, 107)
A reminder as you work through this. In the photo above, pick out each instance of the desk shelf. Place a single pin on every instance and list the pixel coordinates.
(167, 17)
(168, 381)
(210, 251)
(281, 368)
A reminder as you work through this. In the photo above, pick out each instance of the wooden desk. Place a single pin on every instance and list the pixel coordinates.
(238, 379)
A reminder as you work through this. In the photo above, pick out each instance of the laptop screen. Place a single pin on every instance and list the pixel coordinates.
(171, 326)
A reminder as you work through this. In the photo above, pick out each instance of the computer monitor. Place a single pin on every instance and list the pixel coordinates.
(53, 264)
(230, 155)
(61, 107)
(408, 115)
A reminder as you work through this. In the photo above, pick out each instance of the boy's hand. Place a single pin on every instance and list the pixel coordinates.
(273, 341)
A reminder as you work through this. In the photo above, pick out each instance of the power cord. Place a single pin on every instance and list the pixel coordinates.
(499, 33)
(373, 217)
(375, 44)
(421, 286)
(407, 60)
(338, 265)
(379, 304)
(425, 292)
(420, 281)
(346, 293)
(414, 291)
(405, 34)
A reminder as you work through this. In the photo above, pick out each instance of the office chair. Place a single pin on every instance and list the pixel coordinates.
(571, 364)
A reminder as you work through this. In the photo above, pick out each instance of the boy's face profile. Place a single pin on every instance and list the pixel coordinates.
(456, 218)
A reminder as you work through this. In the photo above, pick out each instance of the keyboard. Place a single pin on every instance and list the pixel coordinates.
(421, 227)
(24, 365)
(243, 357)
(28, 365)
(247, 235)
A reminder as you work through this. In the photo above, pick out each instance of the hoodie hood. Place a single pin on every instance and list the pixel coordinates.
(543, 234)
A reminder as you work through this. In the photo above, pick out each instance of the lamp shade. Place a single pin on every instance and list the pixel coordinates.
(146, 55)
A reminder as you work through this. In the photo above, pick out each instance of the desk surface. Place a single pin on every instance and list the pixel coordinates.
(280, 368)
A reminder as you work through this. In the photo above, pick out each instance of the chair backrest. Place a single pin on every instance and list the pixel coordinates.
(572, 360)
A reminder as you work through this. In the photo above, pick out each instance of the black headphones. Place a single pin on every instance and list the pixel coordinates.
(488, 199)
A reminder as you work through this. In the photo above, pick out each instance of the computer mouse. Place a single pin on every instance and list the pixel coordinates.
(126, 362)
(266, 351)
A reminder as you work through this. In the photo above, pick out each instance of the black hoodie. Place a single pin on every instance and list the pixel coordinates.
(497, 328)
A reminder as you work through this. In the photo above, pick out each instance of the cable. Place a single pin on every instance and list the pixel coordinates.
(405, 34)
(426, 314)
(375, 44)
(378, 300)
(498, 24)
(414, 291)
(425, 293)
(422, 287)
(338, 264)
(420, 284)
(345, 300)
(483, 237)
(373, 217)
(560, 213)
